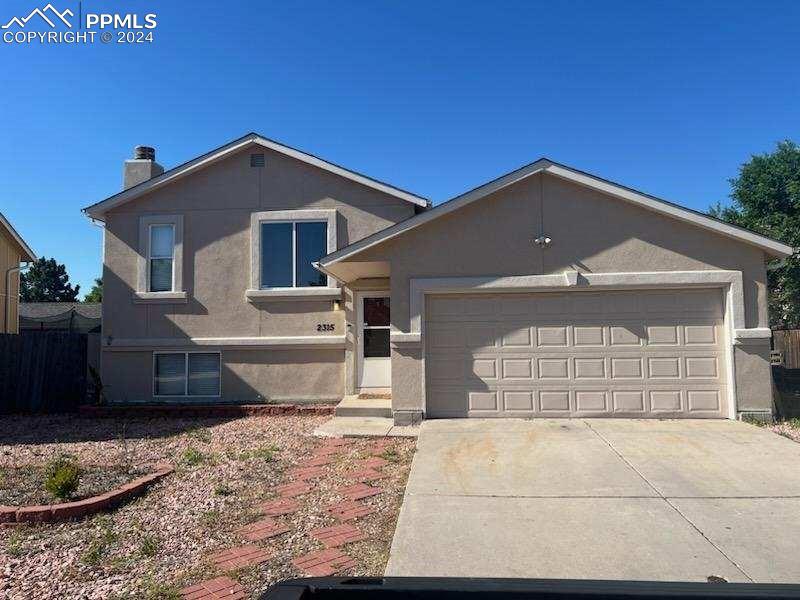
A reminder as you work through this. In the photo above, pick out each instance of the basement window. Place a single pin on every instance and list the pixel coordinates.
(170, 371)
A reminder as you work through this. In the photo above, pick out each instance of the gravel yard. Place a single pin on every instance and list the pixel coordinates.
(161, 542)
(789, 429)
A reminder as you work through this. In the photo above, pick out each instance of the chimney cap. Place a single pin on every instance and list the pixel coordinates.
(144, 153)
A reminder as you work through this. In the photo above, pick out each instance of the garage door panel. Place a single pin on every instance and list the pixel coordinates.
(666, 401)
(591, 401)
(626, 368)
(548, 337)
(589, 335)
(517, 336)
(518, 400)
(517, 369)
(620, 354)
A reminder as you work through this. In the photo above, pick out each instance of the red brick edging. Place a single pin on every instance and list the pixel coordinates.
(50, 513)
(204, 410)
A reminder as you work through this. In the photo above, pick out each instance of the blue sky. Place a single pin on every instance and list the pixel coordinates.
(666, 97)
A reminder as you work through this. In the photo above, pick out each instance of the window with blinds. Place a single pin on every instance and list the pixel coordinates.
(186, 374)
(160, 258)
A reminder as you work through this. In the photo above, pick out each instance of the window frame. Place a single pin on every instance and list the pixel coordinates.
(143, 294)
(327, 216)
(150, 258)
(294, 223)
(186, 354)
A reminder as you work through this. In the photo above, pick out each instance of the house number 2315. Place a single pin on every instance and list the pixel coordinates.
(325, 326)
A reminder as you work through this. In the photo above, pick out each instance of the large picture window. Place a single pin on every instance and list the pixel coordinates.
(186, 374)
(288, 250)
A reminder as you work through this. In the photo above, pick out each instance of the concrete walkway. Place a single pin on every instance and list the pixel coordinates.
(601, 499)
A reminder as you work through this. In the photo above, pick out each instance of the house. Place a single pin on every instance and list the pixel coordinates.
(257, 272)
(13, 251)
(77, 317)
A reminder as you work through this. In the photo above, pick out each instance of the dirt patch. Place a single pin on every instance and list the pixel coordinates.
(161, 542)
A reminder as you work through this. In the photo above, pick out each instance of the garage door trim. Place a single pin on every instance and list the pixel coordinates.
(729, 281)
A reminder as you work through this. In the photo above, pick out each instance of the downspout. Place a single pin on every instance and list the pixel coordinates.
(7, 307)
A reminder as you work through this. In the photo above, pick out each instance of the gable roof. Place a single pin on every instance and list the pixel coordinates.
(98, 210)
(545, 165)
(28, 255)
(43, 311)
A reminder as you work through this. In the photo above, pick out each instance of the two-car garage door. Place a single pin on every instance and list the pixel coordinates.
(627, 354)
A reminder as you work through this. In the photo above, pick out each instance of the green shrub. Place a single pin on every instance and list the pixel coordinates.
(62, 477)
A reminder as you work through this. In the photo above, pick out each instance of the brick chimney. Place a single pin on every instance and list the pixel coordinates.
(141, 167)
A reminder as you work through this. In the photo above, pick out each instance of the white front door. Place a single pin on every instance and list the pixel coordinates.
(374, 361)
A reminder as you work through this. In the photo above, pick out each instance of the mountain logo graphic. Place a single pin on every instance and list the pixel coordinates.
(43, 13)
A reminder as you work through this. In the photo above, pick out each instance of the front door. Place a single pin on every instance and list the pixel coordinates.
(375, 366)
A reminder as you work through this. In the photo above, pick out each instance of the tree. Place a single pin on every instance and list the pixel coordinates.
(766, 199)
(47, 281)
(96, 294)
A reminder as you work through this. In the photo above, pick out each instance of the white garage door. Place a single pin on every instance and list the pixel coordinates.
(626, 354)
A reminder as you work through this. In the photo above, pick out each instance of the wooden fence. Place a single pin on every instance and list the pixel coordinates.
(787, 342)
(42, 373)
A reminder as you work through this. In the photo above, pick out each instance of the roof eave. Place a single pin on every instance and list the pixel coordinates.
(28, 255)
(768, 245)
(99, 209)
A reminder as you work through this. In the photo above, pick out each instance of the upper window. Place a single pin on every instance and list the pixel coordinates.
(160, 260)
(288, 249)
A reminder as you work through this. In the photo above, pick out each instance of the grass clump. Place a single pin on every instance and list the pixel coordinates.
(100, 544)
(265, 453)
(148, 546)
(193, 457)
(201, 434)
(222, 489)
(62, 477)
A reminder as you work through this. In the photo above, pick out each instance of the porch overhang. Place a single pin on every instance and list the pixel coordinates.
(348, 271)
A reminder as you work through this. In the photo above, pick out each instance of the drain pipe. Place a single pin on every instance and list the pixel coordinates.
(7, 308)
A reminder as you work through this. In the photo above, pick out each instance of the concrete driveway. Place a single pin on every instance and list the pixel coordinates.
(601, 499)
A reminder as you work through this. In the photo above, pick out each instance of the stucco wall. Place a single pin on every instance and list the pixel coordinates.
(216, 204)
(591, 233)
(248, 375)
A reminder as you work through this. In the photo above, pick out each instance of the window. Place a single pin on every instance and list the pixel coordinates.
(287, 251)
(170, 371)
(160, 258)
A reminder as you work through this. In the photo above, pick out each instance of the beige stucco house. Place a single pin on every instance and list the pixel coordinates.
(13, 252)
(257, 272)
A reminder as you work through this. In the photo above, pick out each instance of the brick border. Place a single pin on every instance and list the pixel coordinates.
(51, 513)
(204, 410)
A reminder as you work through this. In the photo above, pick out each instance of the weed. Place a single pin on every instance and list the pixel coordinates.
(151, 589)
(14, 544)
(266, 453)
(391, 455)
(99, 546)
(201, 434)
(210, 518)
(193, 457)
(148, 546)
(794, 423)
(222, 489)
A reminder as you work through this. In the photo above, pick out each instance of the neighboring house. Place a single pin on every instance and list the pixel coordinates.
(13, 251)
(546, 292)
(77, 317)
